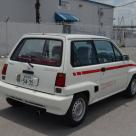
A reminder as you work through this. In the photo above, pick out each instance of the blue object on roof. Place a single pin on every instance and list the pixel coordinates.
(65, 17)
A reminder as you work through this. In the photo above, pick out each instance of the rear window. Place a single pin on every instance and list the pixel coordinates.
(39, 51)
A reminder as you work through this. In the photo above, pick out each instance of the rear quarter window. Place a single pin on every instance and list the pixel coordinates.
(83, 53)
(39, 51)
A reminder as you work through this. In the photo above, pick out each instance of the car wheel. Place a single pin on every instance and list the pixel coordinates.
(131, 90)
(14, 103)
(77, 111)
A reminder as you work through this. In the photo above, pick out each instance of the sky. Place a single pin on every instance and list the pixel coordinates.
(129, 12)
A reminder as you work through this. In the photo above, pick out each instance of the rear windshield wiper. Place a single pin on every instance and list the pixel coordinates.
(27, 59)
(29, 63)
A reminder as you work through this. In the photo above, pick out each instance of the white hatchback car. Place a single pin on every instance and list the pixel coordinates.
(64, 73)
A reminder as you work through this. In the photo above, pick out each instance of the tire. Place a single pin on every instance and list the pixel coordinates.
(77, 111)
(14, 103)
(131, 90)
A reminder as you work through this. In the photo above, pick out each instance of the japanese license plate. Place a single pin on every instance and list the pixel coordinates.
(27, 80)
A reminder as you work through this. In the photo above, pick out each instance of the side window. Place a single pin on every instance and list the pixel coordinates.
(82, 54)
(118, 55)
(104, 51)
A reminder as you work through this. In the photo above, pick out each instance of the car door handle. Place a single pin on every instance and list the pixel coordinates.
(103, 69)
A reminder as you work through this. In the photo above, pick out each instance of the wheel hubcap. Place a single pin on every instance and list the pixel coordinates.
(79, 109)
(133, 87)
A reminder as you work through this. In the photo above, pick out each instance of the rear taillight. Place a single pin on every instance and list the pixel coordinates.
(4, 70)
(60, 80)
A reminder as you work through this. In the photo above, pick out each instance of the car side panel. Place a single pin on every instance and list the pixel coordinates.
(77, 82)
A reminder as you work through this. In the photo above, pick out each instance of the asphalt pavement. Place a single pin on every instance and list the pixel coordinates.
(115, 116)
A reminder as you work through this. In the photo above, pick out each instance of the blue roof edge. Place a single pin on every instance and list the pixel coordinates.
(95, 2)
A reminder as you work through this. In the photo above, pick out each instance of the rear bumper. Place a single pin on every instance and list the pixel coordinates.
(58, 105)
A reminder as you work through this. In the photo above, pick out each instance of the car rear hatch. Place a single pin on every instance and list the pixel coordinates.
(34, 64)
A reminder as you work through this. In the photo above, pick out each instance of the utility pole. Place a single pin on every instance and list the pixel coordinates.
(121, 31)
(6, 22)
(60, 2)
(132, 30)
(37, 10)
(99, 18)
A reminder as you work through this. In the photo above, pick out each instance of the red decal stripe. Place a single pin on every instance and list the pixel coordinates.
(79, 73)
(99, 70)
(118, 67)
(91, 71)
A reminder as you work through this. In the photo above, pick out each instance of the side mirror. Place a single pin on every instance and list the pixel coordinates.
(125, 57)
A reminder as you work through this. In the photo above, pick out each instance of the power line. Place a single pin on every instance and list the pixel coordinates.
(124, 5)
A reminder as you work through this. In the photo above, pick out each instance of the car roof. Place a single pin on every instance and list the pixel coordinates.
(67, 36)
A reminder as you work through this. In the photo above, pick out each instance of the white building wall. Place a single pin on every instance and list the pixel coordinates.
(24, 11)
(17, 10)
(88, 13)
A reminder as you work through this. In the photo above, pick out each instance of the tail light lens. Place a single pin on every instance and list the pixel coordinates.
(4, 70)
(60, 80)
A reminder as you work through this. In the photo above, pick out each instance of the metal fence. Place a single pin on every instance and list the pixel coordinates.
(11, 32)
(131, 51)
(92, 29)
